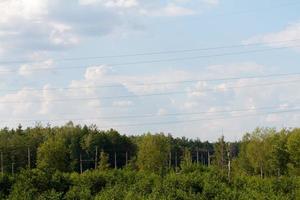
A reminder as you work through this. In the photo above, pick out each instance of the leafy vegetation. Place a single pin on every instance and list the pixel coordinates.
(74, 162)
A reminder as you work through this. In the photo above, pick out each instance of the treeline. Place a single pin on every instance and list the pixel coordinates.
(74, 162)
(74, 148)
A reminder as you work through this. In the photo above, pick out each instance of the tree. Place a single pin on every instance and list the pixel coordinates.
(104, 161)
(186, 162)
(264, 152)
(53, 155)
(220, 155)
(293, 145)
(153, 152)
(278, 155)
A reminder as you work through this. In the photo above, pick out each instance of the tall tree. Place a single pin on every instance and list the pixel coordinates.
(54, 155)
(293, 145)
(104, 161)
(153, 152)
(186, 161)
(220, 153)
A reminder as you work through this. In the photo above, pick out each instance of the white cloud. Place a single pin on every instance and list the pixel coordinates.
(62, 34)
(111, 3)
(96, 72)
(279, 39)
(27, 26)
(120, 3)
(174, 10)
(171, 10)
(29, 69)
(122, 103)
(162, 111)
(199, 98)
(198, 89)
(148, 84)
(211, 2)
(22, 9)
(4, 71)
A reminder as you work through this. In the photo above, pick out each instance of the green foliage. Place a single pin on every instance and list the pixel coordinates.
(267, 153)
(186, 162)
(54, 155)
(266, 165)
(153, 151)
(103, 163)
(293, 145)
(6, 183)
(29, 184)
(50, 195)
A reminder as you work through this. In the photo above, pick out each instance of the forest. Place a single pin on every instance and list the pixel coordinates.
(83, 162)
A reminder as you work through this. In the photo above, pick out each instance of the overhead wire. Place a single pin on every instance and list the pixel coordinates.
(203, 119)
(191, 120)
(153, 61)
(158, 52)
(148, 95)
(156, 83)
(149, 115)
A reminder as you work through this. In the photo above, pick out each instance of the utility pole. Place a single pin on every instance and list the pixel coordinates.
(229, 162)
(208, 158)
(12, 168)
(261, 170)
(201, 158)
(28, 157)
(80, 158)
(197, 155)
(96, 157)
(170, 160)
(2, 167)
(115, 160)
(175, 160)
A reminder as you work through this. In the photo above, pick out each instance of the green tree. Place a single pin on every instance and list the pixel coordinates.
(256, 151)
(53, 155)
(186, 161)
(278, 155)
(220, 153)
(293, 145)
(104, 161)
(153, 151)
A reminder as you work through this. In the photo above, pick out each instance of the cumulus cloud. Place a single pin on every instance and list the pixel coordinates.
(171, 10)
(35, 25)
(25, 9)
(29, 69)
(61, 34)
(209, 98)
(280, 38)
(96, 72)
(111, 3)
(198, 89)
(122, 103)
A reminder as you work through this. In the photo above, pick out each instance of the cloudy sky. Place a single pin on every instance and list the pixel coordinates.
(194, 68)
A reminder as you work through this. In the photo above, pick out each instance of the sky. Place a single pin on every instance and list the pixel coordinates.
(193, 68)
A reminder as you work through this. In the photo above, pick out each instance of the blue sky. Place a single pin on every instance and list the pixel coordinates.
(63, 36)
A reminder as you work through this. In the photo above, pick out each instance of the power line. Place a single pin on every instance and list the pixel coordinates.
(205, 119)
(149, 95)
(197, 120)
(158, 60)
(156, 52)
(157, 83)
(226, 111)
